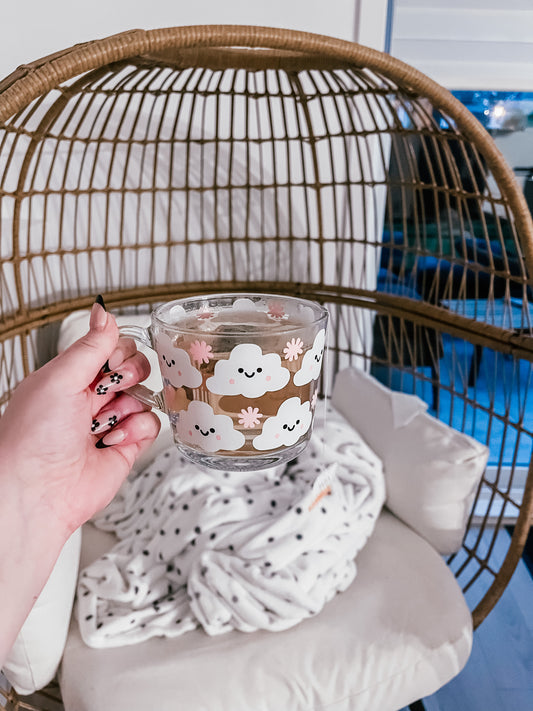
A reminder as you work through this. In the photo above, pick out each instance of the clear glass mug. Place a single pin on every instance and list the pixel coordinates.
(240, 375)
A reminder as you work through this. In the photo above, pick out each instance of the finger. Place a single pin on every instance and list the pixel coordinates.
(126, 348)
(82, 361)
(112, 462)
(114, 412)
(132, 371)
(132, 436)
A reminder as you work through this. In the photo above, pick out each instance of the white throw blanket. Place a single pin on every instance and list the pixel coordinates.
(246, 551)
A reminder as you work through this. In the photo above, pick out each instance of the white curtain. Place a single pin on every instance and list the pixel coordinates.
(467, 44)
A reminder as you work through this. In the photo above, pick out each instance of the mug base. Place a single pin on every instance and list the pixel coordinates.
(255, 462)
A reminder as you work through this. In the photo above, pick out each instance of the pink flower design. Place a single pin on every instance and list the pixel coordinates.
(276, 310)
(205, 314)
(200, 352)
(293, 349)
(250, 417)
(313, 400)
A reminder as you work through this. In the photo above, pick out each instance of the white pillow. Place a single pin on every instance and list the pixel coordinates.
(34, 658)
(431, 470)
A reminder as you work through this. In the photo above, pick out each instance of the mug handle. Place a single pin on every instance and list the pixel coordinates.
(141, 392)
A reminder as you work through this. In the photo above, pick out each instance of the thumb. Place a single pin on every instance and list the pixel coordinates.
(83, 360)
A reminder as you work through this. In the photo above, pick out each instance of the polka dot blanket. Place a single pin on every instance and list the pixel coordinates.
(225, 550)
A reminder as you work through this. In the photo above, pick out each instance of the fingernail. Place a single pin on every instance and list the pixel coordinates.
(100, 300)
(98, 318)
(111, 438)
(111, 382)
(103, 422)
(115, 359)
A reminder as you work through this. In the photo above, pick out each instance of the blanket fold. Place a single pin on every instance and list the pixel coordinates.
(226, 550)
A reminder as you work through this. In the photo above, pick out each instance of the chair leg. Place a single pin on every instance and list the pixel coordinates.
(435, 387)
(475, 365)
(417, 706)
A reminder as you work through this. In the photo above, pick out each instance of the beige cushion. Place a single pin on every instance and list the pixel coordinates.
(35, 656)
(431, 470)
(398, 633)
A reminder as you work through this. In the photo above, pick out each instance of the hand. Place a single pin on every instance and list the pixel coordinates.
(53, 477)
(61, 466)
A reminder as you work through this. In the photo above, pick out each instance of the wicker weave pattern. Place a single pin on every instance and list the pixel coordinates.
(205, 159)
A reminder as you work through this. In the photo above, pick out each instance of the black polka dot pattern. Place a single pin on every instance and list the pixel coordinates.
(195, 548)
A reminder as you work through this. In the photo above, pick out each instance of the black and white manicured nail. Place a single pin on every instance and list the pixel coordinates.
(100, 300)
(110, 383)
(103, 423)
(110, 438)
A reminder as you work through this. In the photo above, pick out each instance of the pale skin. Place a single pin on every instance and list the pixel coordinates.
(53, 477)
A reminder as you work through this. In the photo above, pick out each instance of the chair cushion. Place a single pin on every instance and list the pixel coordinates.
(35, 656)
(398, 633)
(431, 470)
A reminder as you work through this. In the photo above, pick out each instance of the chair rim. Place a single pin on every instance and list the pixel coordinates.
(30, 81)
(305, 50)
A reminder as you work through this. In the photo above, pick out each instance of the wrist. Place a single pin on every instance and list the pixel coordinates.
(30, 542)
(26, 520)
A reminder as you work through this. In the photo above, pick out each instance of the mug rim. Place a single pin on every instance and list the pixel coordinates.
(321, 312)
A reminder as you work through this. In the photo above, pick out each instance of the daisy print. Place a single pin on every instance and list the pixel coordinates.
(276, 310)
(293, 349)
(200, 352)
(250, 417)
(205, 314)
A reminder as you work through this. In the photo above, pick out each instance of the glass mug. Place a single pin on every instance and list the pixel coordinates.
(240, 375)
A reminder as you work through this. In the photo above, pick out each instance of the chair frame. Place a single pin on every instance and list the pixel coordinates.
(257, 49)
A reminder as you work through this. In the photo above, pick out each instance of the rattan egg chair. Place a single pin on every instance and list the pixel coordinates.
(155, 164)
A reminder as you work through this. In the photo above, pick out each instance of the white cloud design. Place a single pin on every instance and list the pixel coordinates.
(312, 361)
(306, 314)
(248, 372)
(291, 421)
(244, 305)
(176, 365)
(176, 313)
(199, 426)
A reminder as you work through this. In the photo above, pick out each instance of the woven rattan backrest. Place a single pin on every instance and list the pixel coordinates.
(203, 159)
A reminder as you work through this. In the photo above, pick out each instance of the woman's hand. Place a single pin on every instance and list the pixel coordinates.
(69, 436)
(67, 442)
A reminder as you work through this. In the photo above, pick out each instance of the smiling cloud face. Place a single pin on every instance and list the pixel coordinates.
(176, 365)
(292, 420)
(312, 361)
(199, 426)
(248, 372)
